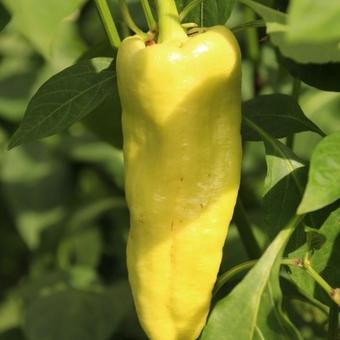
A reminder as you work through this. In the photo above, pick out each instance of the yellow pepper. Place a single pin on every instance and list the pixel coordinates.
(182, 152)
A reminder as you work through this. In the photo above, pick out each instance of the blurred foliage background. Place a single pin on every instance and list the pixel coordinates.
(63, 217)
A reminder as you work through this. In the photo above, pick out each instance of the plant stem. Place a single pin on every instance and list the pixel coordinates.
(253, 49)
(333, 322)
(202, 14)
(168, 19)
(252, 37)
(249, 24)
(148, 15)
(306, 265)
(317, 278)
(129, 21)
(333, 293)
(284, 236)
(109, 24)
(245, 231)
(290, 262)
(227, 276)
(295, 94)
(296, 88)
(188, 8)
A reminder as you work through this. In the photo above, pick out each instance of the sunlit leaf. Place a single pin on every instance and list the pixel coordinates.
(239, 314)
(322, 23)
(40, 21)
(303, 52)
(324, 259)
(323, 185)
(64, 99)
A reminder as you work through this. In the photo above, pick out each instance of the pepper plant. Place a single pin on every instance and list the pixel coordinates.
(64, 218)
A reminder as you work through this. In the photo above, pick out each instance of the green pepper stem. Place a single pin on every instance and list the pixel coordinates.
(169, 24)
(148, 15)
(109, 24)
(248, 25)
(295, 94)
(319, 279)
(231, 273)
(129, 21)
(188, 8)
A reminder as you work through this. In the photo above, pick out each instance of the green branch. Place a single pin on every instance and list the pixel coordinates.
(129, 21)
(333, 293)
(168, 21)
(148, 15)
(249, 24)
(305, 264)
(188, 8)
(109, 24)
(295, 94)
(231, 273)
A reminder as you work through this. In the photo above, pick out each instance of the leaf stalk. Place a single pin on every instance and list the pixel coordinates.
(148, 15)
(129, 21)
(108, 22)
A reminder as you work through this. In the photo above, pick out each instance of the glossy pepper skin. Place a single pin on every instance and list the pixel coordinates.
(182, 153)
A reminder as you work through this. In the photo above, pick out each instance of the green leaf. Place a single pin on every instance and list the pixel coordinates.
(64, 99)
(68, 314)
(284, 181)
(278, 114)
(243, 314)
(324, 259)
(82, 248)
(209, 12)
(270, 15)
(105, 120)
(281, 161)
(323, 185)
(315, 239)
(5, 17)
(216, 12)
(10, 313)
(40, 21)
(323, 109)
(272, 321)
(323, 22)
(88, 214)
(284, 184)
(19, 71)
(303, 52)
(322, 76)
